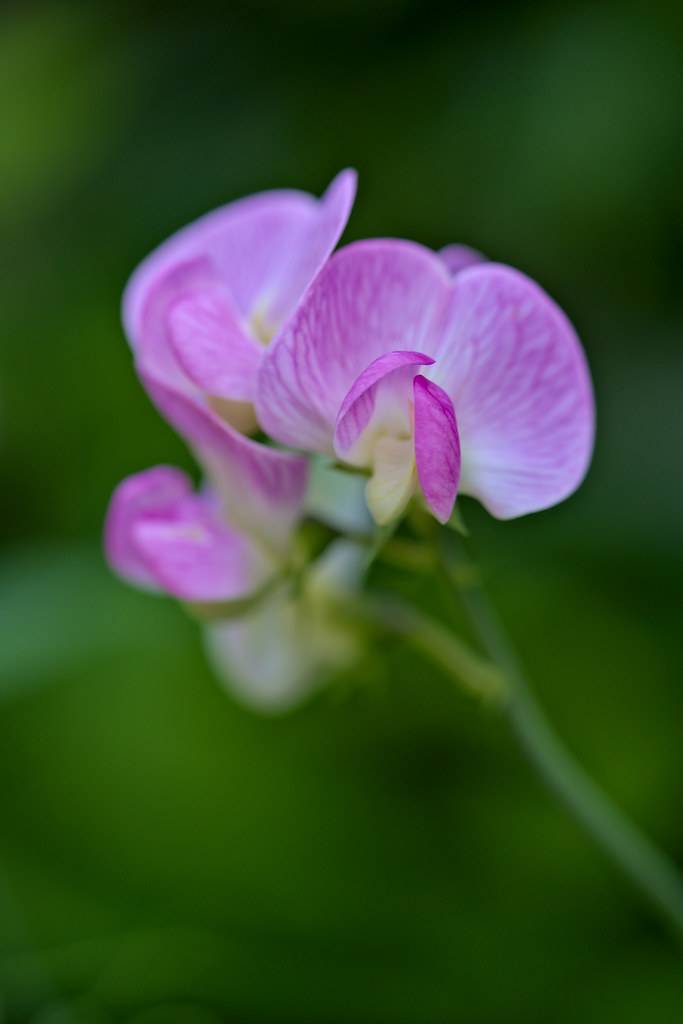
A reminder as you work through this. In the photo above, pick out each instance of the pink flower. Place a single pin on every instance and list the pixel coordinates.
(227, 550)
(433, 380)
(433, 373)
(221, 544)
(200, 310)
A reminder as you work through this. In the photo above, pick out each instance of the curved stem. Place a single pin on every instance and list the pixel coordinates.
(476, 675)
(650, 869)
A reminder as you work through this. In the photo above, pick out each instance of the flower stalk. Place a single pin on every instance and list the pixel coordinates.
(651, 870)
(477, 676)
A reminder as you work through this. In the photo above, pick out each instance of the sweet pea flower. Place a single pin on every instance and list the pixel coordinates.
(220, 544)
(433, 379)
(226, 551)
(223, 549)
(201, 309)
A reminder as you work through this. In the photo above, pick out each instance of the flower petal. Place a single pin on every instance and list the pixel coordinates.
(152, 492)
(437, 447)
(511, 363)
(285, 648)
(371, 298)
(211, 346)
(262, 489)
(194, 556)
(393, 479)
(160, 535)
(147, 300)
(337, 497)
(264, 249)
(459, 257)
(265, 657)
(299, 250)
(377, 402)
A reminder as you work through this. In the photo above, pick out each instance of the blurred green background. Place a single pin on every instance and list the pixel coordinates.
(384, 854)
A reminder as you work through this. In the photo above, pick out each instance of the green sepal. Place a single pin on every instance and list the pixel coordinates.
(457, 523)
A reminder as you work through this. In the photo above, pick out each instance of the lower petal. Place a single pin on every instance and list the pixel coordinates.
(194, 556)
(377, 403)
(285, 649)
(160, 535)
(153, 492)
(337, 497)
(393, 479)
(437, 447)
(262, 489)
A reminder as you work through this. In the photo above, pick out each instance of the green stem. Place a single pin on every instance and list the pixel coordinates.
(476, 675)
(647, 867)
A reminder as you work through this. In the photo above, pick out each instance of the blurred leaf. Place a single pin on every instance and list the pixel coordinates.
(54, 124)
(61, 607)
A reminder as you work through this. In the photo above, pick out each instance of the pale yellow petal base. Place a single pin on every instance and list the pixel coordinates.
(393, 480)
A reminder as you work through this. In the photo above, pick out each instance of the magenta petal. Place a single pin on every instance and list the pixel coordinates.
(159, 534)
(371, 298)
(459, 257)
(212, 347)
(437, 447)
(194, 556)
(515, 371)
(359, 404)
(263, 489)
(152, 492)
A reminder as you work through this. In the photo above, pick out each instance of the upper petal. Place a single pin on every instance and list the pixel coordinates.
(263, 489)
(459, 257)
(264, 250)
(514, 368)
(300, 248)
(371, 298)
